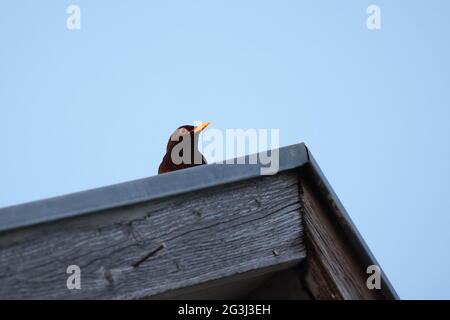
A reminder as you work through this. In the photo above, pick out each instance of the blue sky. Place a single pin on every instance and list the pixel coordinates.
(92, 107)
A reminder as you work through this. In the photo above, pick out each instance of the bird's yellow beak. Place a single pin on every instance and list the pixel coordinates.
(201, 127)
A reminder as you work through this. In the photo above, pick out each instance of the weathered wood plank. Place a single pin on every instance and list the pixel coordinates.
(150, 248)
(334, 271)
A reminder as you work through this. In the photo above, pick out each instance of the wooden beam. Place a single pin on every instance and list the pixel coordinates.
(155, 247)
(335, 271)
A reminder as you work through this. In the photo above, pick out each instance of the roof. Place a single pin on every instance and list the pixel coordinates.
(292, 157)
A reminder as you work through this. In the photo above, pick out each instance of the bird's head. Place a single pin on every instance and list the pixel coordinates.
(183, 131)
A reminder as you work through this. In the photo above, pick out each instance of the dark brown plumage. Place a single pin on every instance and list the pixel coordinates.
(177, 137)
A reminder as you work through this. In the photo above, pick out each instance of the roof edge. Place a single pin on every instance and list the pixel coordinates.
(146, 189)
(184, 181)
(343, 220)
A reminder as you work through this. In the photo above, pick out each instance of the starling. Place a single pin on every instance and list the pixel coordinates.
(182, 139)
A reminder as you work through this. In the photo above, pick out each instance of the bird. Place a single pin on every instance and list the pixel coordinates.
(185, 136)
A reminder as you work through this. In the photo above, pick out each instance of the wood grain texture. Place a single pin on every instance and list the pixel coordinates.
(334, 271)
(151, 248)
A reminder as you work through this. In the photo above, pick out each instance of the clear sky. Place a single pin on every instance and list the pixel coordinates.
(92, 107)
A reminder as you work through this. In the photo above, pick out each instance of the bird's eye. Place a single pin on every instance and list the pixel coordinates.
(183, 131)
